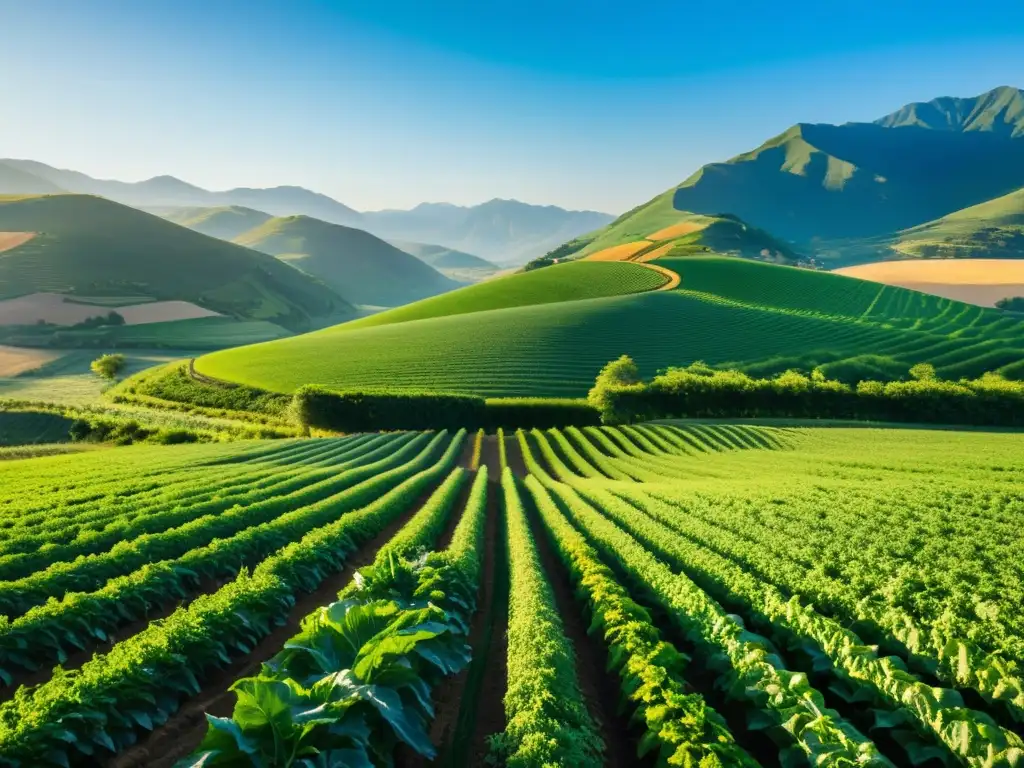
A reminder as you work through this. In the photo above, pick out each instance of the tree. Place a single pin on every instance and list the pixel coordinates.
(108, 366)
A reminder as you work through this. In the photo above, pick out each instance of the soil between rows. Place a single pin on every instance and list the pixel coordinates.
(185, 729)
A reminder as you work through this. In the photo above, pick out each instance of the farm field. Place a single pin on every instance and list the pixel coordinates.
(974, 281)
(498, 339)
(759, 594)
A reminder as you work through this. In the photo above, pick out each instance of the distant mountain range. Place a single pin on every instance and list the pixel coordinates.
(939, 178)
(504, 231)
(355, 264)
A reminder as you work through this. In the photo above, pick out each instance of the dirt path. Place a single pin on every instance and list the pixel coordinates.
(514, 456)
(184, 730)
(673, 277)
(597, 685)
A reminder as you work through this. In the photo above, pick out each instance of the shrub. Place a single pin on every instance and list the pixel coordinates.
(175, 384)
(316, 406)
(108, 366)
(989, 400)
(542, 413)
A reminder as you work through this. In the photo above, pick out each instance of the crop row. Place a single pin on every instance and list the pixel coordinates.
(106, 703)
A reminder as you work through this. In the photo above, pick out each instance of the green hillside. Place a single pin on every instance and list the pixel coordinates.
(564, 282)
(993, 229)
(828, 182)
(726, 311)
(644, 225)
(93, 247)
(359, 266)
(225, 222)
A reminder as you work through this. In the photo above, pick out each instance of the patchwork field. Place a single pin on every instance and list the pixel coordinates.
(725, 311)
(15, 361)
(718, 591)
(974, 281)
(63, 310)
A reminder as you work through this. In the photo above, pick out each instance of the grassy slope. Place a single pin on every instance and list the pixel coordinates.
(359, 266)
(728, 311)
(563, 282)
(226, 222)
(994, 229)
(92, 246)
(720, 234)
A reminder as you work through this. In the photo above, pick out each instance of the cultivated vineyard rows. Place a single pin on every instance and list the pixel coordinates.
(662, 594)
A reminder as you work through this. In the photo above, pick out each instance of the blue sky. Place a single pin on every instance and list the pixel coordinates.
(388, 103)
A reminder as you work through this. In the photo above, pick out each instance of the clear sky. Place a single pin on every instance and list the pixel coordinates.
(388, 103)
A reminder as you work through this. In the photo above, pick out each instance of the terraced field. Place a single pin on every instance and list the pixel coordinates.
(758, 595)
(493, 342)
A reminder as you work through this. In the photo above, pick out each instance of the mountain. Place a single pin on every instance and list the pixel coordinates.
(826, 182)
(656, 229)
(15, 181)
(88, 246)
(359, 266)
(166, 191)
(224, 222)
(502, 231)
(442, 258)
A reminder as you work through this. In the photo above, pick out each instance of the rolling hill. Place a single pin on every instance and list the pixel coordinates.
(86, 246)
(507, 231)
(756, 316)
(362, 268)
(168, 191)
(656, 230)
(224, 223)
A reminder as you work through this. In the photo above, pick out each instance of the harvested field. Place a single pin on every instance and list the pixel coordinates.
(975, 281)
(58, 309)
(619, 252)
(678, 230)
(9, 240)
(17, 360)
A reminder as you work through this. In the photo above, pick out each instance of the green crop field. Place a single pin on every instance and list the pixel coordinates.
(726, 311)
(564, 282)
(431, 593)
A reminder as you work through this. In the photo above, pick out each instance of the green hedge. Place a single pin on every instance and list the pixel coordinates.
(540, 413)
(316, 406)
(699, 393)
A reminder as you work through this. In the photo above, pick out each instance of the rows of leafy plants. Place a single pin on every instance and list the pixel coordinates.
(357, 680)
(680, 728)
(948, 645)
(49, 632)
(90, 532)
(102, 707)
(92, 571)
(938, 714)
(790, 708)
(547, 722)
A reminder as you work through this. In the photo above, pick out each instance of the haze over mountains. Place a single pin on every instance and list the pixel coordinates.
(506, 231)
